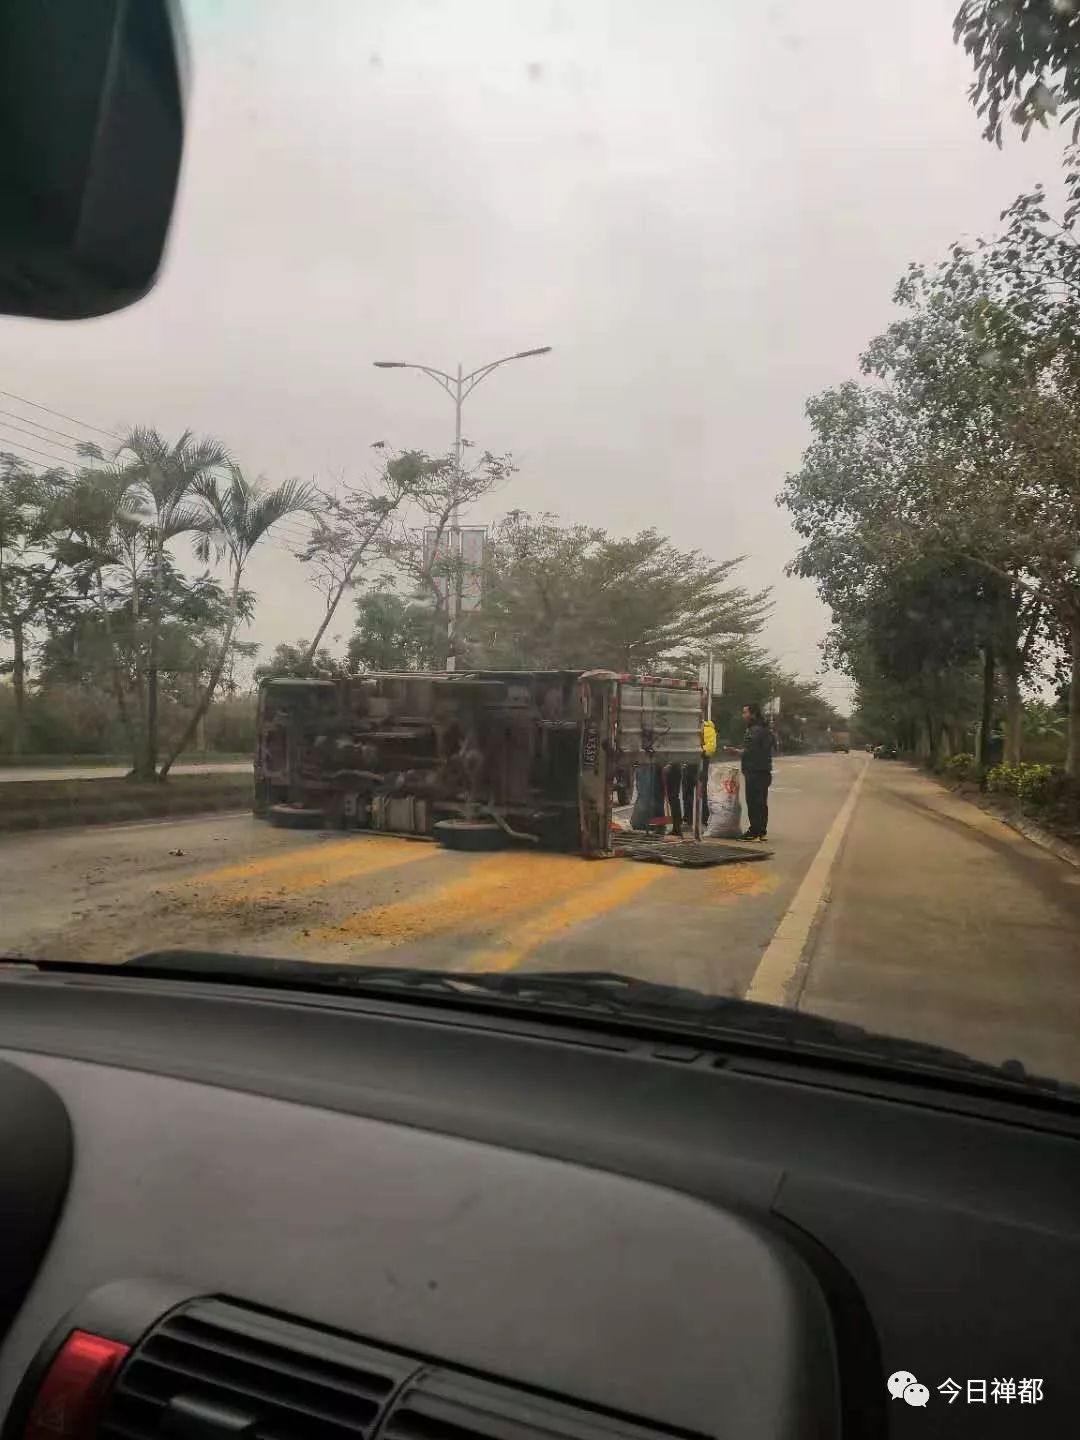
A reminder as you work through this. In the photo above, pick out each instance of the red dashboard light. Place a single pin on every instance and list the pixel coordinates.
(71, 1396)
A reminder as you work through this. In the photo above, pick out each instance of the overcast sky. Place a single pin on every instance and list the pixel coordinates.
(701, 205)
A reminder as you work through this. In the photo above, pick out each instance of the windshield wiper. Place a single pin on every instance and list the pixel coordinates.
(582, 993)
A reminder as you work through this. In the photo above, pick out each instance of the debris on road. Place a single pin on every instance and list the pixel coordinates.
(177, 852)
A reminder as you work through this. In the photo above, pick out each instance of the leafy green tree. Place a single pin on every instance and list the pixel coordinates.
(1011, 502)
(1026, 56)
(297, 659)
(420, 549)
(33, 528)
(392, 633)
(93, 649)
(946, 453)
(362, 530)
(572, 596)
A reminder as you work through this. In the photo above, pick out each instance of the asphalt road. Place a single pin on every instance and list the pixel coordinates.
(886, 903)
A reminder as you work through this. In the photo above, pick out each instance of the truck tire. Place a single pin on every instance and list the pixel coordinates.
(470, 835)
(296, 817)
(267, 794)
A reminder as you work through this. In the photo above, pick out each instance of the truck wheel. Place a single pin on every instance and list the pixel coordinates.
(296, 817)
(470, 835)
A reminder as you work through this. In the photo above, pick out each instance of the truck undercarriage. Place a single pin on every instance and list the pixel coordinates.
(474, 760)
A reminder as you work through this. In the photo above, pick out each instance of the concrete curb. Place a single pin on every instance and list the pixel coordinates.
(1044, 839)
(1020, 824)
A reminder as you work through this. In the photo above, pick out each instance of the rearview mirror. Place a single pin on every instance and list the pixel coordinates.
(91, 116)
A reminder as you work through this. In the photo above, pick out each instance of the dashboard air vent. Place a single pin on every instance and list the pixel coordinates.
(212, 1368)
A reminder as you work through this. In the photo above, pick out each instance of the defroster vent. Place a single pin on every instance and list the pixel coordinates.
(442, 1405)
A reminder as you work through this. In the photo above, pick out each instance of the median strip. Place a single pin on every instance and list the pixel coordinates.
(47, 804)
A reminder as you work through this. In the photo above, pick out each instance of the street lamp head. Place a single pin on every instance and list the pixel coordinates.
(524, 354)
(390, 364)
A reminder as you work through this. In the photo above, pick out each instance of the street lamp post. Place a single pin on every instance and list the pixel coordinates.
(459, 387)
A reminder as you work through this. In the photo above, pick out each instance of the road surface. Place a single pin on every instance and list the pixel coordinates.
(887, 902)
(10, 773)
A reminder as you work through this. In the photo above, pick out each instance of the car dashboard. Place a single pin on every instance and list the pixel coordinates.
(296, 1214)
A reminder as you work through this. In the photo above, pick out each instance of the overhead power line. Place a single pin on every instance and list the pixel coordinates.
(61, 415)
(45, 439)
(16, 447)
(40, 425)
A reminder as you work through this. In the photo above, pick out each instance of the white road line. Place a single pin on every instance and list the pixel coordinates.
(772, 980)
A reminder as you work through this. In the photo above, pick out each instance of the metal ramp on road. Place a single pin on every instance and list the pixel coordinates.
(686, 854)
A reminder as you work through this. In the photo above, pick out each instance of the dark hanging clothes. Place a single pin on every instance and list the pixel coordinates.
(649, 803)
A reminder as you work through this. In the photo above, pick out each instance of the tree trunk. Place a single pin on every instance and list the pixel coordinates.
(925, 745)
(114, 669)
(148, 769)
(986, 716)
(331, 607)
(198, 714)
(1014, 711)
(335, 600)
(1072, 753)
(18, 685)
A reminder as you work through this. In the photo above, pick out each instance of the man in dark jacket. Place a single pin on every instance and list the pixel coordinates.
(757, 753)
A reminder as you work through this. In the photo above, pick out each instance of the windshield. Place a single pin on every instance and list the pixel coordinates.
(593, 492)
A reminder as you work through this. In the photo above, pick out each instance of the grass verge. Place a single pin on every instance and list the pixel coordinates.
(43, 804)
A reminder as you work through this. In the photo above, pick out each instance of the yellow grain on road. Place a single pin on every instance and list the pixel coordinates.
(728, 882)
(618, 884)
(313, 867)
(491, 889)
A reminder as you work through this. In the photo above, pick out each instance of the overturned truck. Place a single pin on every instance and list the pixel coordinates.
(474, 760)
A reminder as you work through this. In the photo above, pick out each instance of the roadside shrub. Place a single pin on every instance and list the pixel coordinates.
(1003, 779)
(1044, 792)
(1037, 783)
(1062, 806)
(960, 767)
(1034, 785)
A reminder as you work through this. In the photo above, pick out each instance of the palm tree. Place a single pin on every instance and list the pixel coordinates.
(107, 515)
(236, 514)
(165, 477)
